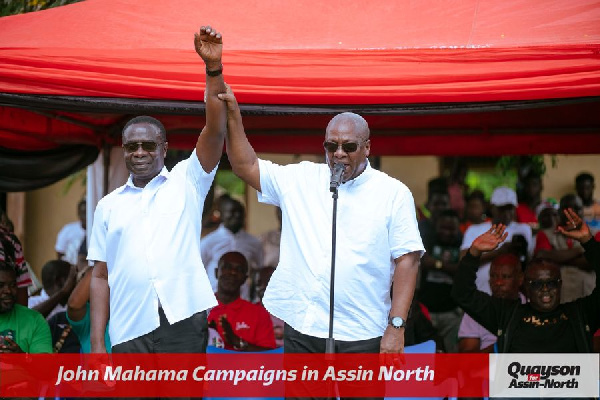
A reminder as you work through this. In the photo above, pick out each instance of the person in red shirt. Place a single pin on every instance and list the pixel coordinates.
(241, 325)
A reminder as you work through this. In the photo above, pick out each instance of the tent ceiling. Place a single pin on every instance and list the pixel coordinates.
(433, 77)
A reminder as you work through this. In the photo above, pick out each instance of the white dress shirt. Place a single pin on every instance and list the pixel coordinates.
(514, 228)
(376, 223)
(150, 239)
(221, 241)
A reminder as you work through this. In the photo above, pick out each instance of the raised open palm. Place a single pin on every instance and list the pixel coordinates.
(575, 227)
(489, 240)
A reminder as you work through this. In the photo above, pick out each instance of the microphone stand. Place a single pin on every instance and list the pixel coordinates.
(330, 341)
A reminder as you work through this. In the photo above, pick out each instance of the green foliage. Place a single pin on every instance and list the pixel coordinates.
(77, 177)
(524, 165)
(487, 181)
(230, 183)
(13, 7)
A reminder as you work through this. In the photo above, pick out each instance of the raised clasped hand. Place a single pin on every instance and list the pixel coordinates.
(209, 45)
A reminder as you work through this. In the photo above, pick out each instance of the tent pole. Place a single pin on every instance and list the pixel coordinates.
(106, 150)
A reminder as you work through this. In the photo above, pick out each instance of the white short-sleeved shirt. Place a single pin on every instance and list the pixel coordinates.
(71, 232)
(376, 223)
(150, 239)
(514, 228)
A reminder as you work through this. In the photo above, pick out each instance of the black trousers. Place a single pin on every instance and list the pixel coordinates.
(187, 336)
(296, 342)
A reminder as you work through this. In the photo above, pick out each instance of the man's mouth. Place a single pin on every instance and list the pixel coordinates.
(546, 298)
(7, 300)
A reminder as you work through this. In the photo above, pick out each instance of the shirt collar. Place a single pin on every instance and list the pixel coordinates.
(235, 305)
(162, 176)
(360, 179)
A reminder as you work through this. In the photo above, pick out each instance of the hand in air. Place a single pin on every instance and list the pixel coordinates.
(489, 240)
(575, 227)
(209, 45)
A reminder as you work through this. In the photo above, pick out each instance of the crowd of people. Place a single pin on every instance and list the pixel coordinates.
(533, 234)
(493, 276)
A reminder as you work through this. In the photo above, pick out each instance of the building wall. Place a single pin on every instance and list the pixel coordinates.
(560, 180)
(47, 211)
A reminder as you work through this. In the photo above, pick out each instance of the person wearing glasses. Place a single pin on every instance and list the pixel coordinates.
(145, 236)
(543, 325)
(378, 241)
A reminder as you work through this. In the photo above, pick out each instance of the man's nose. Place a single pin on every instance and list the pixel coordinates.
(139, 151)
(339, 152)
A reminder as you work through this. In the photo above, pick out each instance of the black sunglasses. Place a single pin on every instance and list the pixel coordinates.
(146, 146)
(539, 284)
(348, 147)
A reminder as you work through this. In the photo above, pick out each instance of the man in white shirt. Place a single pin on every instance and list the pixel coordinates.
(231, 234)
(71, 236)
(145, 240)
(378, 241)
(519, 240)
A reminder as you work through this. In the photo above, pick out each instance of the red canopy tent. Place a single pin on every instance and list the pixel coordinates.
(435, 77)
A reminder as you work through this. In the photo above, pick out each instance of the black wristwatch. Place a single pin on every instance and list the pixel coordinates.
(216, 72)
(397, 322)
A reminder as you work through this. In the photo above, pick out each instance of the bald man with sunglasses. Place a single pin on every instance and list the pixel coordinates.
(378, 241)
(542, 325)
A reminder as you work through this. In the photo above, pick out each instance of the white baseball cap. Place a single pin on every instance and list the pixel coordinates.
(503, 196)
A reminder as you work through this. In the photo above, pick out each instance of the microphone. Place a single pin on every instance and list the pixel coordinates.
(336, 177)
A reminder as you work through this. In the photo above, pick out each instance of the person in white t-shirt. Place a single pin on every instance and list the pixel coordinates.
(231, 234)
(71, 236)
(519, 240)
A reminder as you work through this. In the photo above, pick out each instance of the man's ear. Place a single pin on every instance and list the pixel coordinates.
(166, 146)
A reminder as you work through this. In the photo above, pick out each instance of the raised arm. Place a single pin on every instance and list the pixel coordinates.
(60, 297)
(99, 306)
(209, 147)
(479, 305)
(577, 229)
(242, 157)
(76, 305)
